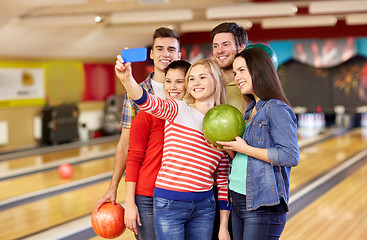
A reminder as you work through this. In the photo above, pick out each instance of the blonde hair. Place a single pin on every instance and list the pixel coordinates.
(216, 73)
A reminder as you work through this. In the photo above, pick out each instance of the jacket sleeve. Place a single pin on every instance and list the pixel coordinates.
(283, 131)
(138, 140)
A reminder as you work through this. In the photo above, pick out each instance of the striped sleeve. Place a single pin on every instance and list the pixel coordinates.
(160, 108)
(222, 182)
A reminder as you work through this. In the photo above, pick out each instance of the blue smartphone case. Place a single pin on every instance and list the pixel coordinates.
(134, 54)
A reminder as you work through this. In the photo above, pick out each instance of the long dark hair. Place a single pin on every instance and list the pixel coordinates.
(265, 80)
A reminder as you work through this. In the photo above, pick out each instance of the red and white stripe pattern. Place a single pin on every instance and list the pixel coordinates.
(188, 162)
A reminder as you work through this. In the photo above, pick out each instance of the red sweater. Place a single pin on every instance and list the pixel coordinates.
(145, 152)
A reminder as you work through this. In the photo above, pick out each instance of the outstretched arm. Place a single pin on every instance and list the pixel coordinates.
(123, 72)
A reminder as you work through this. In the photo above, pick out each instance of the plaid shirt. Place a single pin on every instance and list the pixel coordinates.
(130, 109)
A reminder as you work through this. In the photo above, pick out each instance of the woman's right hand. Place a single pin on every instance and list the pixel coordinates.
(122, 69)
(132, 217)
(123, 72)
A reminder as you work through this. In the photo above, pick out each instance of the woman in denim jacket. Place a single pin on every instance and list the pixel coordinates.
(259, 178)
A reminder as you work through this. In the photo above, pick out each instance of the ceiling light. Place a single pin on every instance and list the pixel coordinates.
(251, 10)
(144, 2)
(54, 2)
(151, 16)
(98, 19)
(205, 26)
(337, 6)
(139, 29)
(299, 21)
(153, 2)
(356, 19)
(68, 20)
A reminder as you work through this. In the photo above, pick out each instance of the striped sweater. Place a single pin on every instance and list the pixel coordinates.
(188, 162)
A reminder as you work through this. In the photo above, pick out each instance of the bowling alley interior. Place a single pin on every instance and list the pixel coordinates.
(61, 104)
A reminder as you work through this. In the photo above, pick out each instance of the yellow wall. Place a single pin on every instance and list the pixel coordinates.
(20, 126)
(64, 83)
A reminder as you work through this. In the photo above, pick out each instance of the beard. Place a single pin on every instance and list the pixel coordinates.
(226, 66)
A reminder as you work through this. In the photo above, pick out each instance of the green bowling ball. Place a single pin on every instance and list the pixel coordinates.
(268, 50)
(223, 123)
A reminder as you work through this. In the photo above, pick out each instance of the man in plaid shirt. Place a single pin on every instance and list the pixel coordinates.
(166, 48)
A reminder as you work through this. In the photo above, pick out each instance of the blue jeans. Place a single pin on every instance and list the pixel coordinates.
(145, 208)
(266, 222)
(179, 220)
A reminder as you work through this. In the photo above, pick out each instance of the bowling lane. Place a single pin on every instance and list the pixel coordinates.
(41, 159)
(127, 235)
(37, 181)
(23, 165)
(53, 211)
(43, 214)
(321, 157)
(339, 214)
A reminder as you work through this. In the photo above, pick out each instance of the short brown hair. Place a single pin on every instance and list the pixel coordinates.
(164, 32)
(239, 33)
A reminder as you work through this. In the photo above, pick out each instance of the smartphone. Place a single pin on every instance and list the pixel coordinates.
(134, 54)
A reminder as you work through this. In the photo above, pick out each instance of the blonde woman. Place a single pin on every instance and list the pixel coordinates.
(184, 204)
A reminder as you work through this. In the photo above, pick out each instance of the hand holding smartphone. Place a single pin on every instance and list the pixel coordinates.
(134, 54)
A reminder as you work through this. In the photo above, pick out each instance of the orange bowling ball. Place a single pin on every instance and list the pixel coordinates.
(108, 221)
(65, 170)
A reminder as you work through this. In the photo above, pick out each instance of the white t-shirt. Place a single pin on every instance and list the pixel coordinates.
(158, 89)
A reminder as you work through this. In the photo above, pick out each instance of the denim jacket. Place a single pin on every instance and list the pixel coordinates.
(274, 127)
